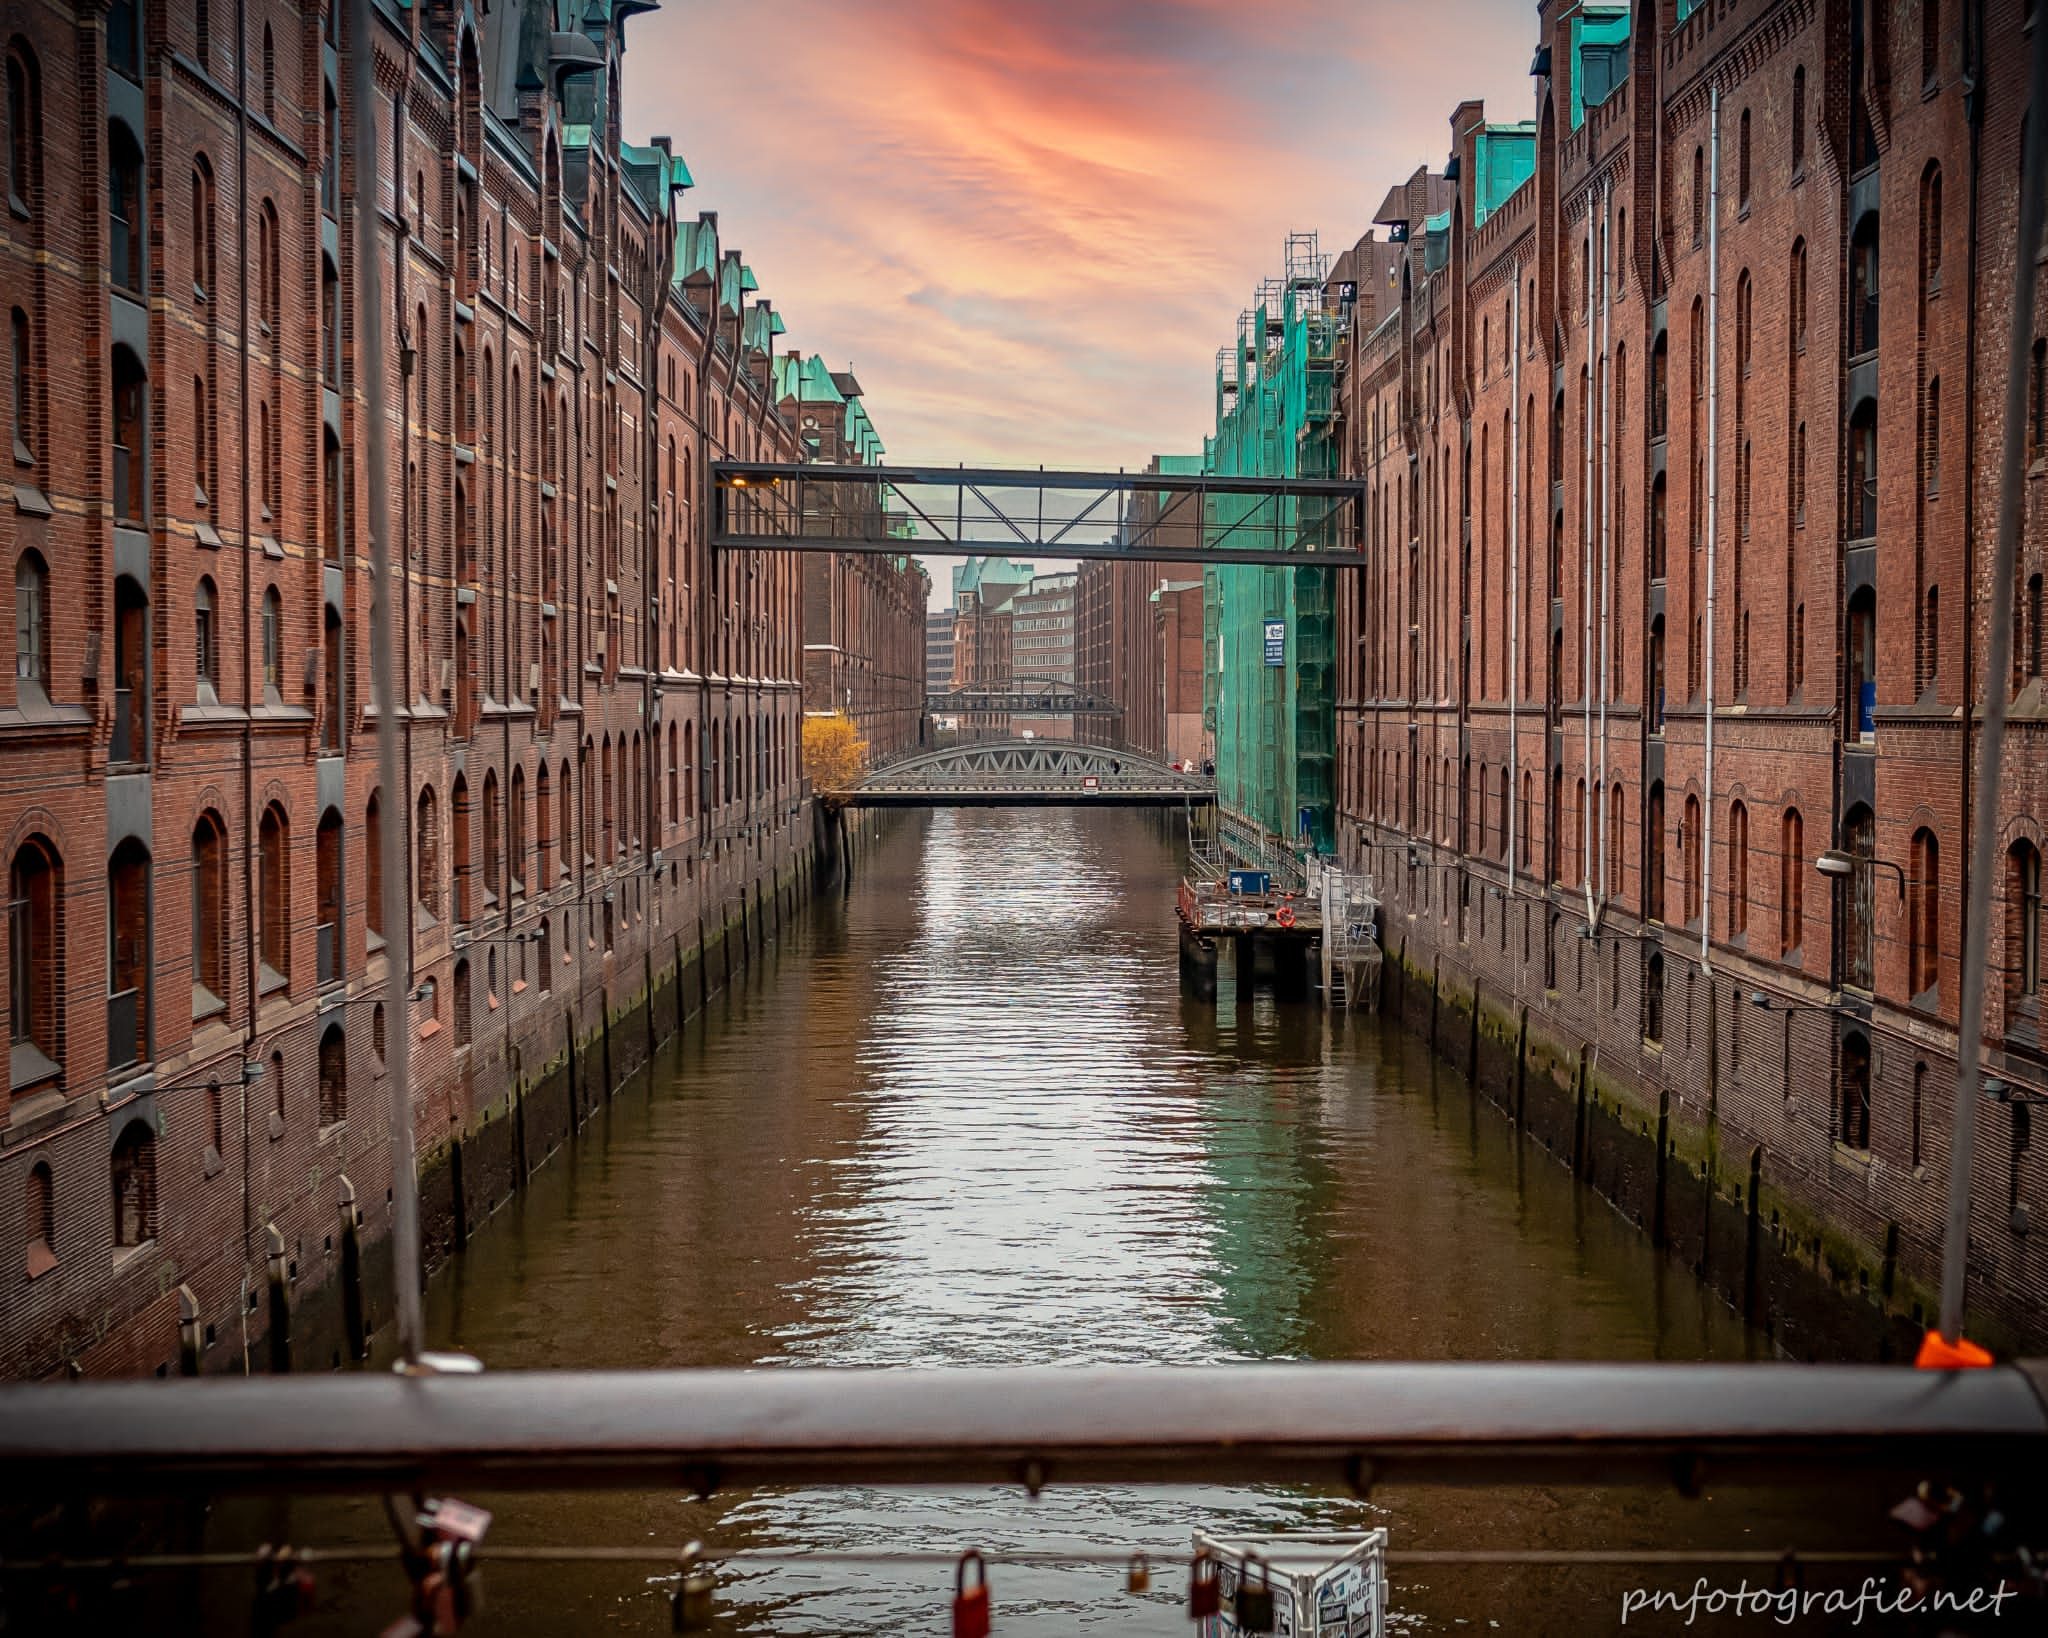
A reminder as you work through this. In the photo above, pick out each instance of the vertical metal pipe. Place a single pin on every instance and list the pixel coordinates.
(1997, 684)
(1713, 495)
(1606, 516)
(405, 1224)
(1514, 562)
(1587, 843)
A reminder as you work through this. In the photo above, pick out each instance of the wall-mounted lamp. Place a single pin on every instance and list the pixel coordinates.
(1999, 1090)
(1836, 863)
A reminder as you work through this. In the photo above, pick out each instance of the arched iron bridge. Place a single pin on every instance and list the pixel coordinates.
(1027, 773)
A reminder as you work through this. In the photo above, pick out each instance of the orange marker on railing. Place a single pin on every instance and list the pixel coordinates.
(1937, 1353)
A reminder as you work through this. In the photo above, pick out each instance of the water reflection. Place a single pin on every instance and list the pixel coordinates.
(963, 1116)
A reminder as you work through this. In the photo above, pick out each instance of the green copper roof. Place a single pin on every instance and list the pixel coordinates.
(1504, 157)
(747, 279)
(1597, 26)
(696, 251)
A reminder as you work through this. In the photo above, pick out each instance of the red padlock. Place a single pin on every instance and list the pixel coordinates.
(970, 1604)
(1205, 1591)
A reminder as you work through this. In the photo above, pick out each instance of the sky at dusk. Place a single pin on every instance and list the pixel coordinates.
(1029, 225)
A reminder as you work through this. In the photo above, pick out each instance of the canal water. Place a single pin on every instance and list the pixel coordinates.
(962, 1115)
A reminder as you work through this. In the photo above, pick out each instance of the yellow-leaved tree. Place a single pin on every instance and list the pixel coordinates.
(835, 756)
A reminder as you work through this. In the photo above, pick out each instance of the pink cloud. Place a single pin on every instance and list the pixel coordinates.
(1029, 228)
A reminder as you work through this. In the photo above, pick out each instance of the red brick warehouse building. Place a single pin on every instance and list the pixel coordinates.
(1680, 410)
(600, 721)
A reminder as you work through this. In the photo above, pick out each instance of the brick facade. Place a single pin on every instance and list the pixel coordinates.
(1617, 431)
(600, 720)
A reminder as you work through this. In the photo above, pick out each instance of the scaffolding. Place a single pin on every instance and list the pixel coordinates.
(1269, 638)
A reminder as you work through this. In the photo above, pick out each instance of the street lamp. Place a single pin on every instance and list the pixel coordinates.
(1836, 863)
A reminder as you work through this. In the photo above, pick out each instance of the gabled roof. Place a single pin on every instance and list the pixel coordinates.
(696, 251)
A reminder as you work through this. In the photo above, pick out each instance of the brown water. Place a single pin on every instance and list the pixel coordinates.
(962, 1115)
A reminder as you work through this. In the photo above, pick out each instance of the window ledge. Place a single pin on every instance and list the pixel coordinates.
(29, 1067)
(212, 1165)
(32, 501)
(205, 1004)
(124, 1256)
(269, 980)
(276, 1126)
(373, 942)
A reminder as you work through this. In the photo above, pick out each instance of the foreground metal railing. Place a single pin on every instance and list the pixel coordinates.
(1353, 1425)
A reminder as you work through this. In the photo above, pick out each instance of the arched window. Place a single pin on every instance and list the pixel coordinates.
(269, 76)
(1863, 287)
(1798, 123)
(31, 627)
(373, 868)
(608, 852)
(1653, 999)
(1791, 884)
(689, 770)
(24, 382)
(329, 926)
(130, 742)
(544, 829)
(39, 1219)
(131, 438)
(1660, 385)
(1742, 164)
(127, 225)
(1859, 920)
(2022, 921)
(205, 642)
(1923, 915)
(517, 830)
(1854, 1128)
(24, 131)
(1860, 709)
(462, 1014)
(675, 780)
(1738, 869)
(333, 1076)
(210, 971)
(1657, 675)
(273, 647)
(274, 898)
(35, 959)
(133, 1170)
(493, 838)
(202, 232)
(427, 856)
(1699, 194)
(1689, 856)
(564, 826)
(1930, 41)
(1863, 472)
(332, 654)
(459, 814)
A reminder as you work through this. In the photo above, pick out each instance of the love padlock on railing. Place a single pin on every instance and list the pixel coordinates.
(1254, 1599)
(1205, 1590)
(970, 1604)
(690, 1603)
(1140, 1578)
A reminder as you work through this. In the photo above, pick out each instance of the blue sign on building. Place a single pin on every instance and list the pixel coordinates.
(1276, 642)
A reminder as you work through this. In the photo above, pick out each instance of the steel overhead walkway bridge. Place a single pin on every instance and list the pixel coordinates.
(1150, 517)
(1028, 773)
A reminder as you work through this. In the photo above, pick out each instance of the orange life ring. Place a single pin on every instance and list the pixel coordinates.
(1284, 915)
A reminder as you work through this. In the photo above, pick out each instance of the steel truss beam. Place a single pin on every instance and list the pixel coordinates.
(702, 1430)
(773, 506)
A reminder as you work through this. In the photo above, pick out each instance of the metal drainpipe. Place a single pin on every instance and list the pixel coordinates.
(1586, 510)
(1514, 565)
(1713, 496)
(248, 728)
(1973, 102)
(1606, 520)
(1997, 686)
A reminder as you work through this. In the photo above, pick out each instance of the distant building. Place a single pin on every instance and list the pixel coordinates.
(1177, 607)
(938, 651)
(1116, 635)
(984, 592)
(1042, 645)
